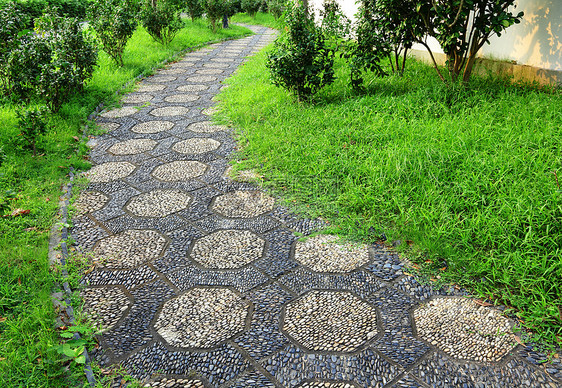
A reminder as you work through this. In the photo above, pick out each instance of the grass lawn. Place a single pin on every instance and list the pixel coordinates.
(27, 330)
(467, 180)
(261, 18)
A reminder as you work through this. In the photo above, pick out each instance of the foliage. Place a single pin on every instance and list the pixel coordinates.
(194, 9)
(276, 7)
(114, 24)
(161, 20)
(388, 28)
(300, 61)
(32, 125)
(462, 28)
(465, 175)
(12, 22)
(214, 9)
(251, 7)
(334, 22)
(71, 63)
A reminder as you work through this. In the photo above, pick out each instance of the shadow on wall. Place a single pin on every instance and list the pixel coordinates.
(536, 40)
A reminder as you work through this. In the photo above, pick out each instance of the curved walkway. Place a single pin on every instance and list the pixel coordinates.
(201, 281)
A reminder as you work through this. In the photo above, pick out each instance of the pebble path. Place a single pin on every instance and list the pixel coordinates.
(201, 280)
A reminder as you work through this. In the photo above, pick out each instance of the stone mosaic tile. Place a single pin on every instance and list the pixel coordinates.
(181, 98)
(108, 172)
(196, 146)
(243, 204)
(228, 249)
(465, 330)
(133, 146)
(440, 371)
(169, 111)
(129, 249)
(120, 112)
(137, 98)
(242, 280)
(105, 306)
(202, 318)
(180, 170)
(218, 366)
(175, 383)
(143, 88)
(192, 88)
(128, 278)
(158, 203)
(326, 253)
(206, 127)
(154, 126)
(330, 321)
(90, 201)
(293, 366)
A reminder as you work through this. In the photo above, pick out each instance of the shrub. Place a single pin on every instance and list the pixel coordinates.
(11, 23)
(161, 20)
(114, 23)
(300, 60)
(251, 7)
(32, 125)
(463, 28)
(72, 59)
(215, 9)
(276, 7)
(194, 8)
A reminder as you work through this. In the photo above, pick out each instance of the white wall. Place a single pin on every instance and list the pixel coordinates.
(536, 41)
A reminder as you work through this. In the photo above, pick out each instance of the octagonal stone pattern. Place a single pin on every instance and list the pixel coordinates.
(90, 201)
(132, 147)
(236, 300)
(110, 171)
(158, 203)
(465, 330)
(180, 170)
(243, 204)
(202, 318)
(196, 146)
(105, 306)
(129, 249)
(227, 249)
(154, 126)
(330, 321)
(325, 253)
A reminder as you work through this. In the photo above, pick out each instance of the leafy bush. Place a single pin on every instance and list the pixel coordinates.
(11, 23)
(276, 7)
(72, 59)
(300, 60)
(251, 7)
(114, 23)
(334, 23)
(214, 9)
(194, 8)
(461, 27)
(161, 20)
(25, 65)
(32, 125)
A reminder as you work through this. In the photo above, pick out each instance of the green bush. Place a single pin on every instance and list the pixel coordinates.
(276, 7)
(11, 23)
(251, 7)
(32, 125)
(161, 20)
(194, 9)
(215, 9)
(114, 24)
(301, 61)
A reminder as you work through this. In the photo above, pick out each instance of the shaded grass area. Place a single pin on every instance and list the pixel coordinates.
(261, 19)
(465, 178)
(26, 313)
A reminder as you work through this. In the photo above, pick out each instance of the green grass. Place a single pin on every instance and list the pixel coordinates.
(261, 18)
(464, 178)
(26, 314)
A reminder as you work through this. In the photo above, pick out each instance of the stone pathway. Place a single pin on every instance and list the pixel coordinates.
(200, 281)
